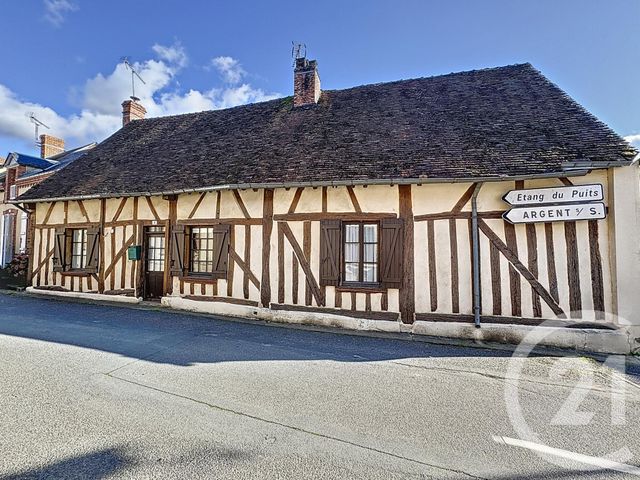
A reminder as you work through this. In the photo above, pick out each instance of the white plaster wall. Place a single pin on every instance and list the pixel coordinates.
(57, 214)
(625, 252)
(376, 198)
(144, 212)
(435, 198)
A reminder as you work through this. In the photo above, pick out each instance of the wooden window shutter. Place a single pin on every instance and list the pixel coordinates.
(391, 241)
(177, 251)
(330, 252)
(220, 251)
(93, 249)
(59, 250)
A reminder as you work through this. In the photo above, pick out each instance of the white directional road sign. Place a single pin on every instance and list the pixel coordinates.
(540, 196)
(556, 213)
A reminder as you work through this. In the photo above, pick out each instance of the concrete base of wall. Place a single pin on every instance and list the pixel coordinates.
(580, 339)
(284, 316)
(85, 296)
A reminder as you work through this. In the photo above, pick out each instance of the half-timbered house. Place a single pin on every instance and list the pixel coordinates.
(377, 207)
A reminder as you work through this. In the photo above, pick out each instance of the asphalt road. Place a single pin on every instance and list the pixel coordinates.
(90, 391)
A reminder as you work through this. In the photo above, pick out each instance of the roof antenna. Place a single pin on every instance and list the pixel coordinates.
(37, 124)
(298, 50)
(134, 74)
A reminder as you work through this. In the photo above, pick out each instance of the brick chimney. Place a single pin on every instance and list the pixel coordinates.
(132, 110)
(50, 146)
(306, 82)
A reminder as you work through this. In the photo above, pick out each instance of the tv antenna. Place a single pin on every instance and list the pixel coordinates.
(134, 74)
(298, 50)
(37, 124)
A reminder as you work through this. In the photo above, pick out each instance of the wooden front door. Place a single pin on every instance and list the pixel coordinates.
(154, 262)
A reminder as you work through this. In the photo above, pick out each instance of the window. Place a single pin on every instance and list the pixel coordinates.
(201, 260)
(6, 243)
(361, 253)
(23, 232)
(13, 192)
(78, 249)
(200, 250)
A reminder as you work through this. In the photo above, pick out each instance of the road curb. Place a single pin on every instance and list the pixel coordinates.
(403, 336)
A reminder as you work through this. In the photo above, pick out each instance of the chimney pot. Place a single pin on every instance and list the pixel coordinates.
(132, 110)
(306, 82)
(50, 146)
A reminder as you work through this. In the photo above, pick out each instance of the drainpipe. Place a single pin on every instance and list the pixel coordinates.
(476, 254)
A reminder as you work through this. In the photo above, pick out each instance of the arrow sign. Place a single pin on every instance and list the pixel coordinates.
(556, 213)
(569, 194)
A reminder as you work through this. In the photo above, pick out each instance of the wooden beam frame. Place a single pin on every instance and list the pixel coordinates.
(407, 289)
(453, 215)
(83, 211)
(238, 197)
(119, 210)
(221, 221)
(295, 200)
(346, 216)
(197, 205)
(512, 258)
(48, 214)
(354, 199)
(103, 210)
(244, 267)
(267, 230)
(304, 263)
(117, 257)
(154, 212)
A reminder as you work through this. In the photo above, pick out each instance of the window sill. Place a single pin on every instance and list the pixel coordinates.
(199, 279)
(76, 273)
(362, 288)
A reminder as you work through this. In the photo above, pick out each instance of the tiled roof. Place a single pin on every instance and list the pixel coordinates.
(508, 121)
(28, 161)
(56, 162)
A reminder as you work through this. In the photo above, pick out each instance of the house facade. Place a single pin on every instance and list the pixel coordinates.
(379, 207)
(19, 173)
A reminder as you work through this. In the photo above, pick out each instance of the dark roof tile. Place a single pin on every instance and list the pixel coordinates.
(486, 123)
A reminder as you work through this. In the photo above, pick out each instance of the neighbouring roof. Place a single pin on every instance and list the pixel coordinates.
(15, 158)
(36, 165)
(507, 121)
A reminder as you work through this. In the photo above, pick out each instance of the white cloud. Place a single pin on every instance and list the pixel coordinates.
(229, 68)
(14, 120)
(245, 93)
(99, 100)
(633, 139)
(175, 54)
(56, 10)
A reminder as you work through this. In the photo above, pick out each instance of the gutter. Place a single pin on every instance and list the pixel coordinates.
(338, 183)
(475, 240)
(596, 165)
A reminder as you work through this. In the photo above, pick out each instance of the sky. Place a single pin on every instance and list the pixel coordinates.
(62, 59)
